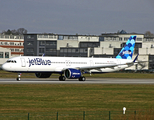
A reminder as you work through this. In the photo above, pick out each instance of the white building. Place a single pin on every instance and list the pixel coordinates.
(5, 54)
(10, 45)
(13, 42)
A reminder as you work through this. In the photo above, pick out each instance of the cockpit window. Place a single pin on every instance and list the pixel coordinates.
(11, 61)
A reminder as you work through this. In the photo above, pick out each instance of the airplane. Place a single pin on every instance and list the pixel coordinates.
(71, 67)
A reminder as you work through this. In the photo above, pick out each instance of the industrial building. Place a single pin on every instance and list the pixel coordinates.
(104, 45)
(59, 45)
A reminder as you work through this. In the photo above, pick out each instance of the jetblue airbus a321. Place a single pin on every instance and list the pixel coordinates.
(71, 67)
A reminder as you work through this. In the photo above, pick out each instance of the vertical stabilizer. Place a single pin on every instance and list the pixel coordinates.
(127, 51)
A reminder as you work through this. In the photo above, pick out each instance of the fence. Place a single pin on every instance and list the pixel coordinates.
(83, 115)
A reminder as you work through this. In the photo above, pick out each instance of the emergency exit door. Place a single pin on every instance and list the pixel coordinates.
(23, 62)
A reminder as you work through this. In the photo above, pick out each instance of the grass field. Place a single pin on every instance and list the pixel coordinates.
(37, 98)
(72, 97)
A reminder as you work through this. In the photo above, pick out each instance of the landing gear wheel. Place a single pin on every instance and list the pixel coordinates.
(18, 79)
(62, 78)
(82, 78)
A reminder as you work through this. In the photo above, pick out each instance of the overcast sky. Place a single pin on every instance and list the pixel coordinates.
(77, 16)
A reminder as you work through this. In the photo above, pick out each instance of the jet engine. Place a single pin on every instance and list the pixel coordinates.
(72, 73)
(43, 75)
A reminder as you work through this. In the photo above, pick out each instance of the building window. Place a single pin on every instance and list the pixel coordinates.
(65, 50)
(12, 50)
(77, 51)
(41, 43)
(60, 37)
(6, 36)
(45, 36)
(81, 50)
(69, 50)
(139, 39)
(22, 50)
(73, 50)
(66, 37)
(52, 36)
(5, 43)
(16, 50)
(1, 54)
(11, 43)
(120, 39)
(125, 39)
(61, 50)
(41, 50)
(84, 45)
(16, 37)
(1, 36)
(30, 36)
(30, 43)
(101, 38)
(11, 37)
(50, 43)
(50, 50)
(6, 54)
(30, 50)
(85, 50)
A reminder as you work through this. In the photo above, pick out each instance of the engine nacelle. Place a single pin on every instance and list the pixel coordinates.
(42, 75)
(72, 73)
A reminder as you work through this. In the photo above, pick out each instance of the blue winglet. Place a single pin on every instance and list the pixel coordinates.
(135, 58)
(43, 55)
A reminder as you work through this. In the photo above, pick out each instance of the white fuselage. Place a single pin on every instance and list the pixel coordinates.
(36, 64)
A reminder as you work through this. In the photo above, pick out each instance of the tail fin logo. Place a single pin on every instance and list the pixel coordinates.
(127, 51)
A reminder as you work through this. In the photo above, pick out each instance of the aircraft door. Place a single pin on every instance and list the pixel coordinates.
(119, 62)
(91, 63)
(23, 62)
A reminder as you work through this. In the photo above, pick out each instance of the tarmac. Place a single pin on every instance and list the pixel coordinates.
(75, 81)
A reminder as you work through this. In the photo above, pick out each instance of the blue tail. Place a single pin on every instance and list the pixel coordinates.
(127, 51)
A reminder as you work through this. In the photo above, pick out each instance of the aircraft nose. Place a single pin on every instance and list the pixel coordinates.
(4, 67)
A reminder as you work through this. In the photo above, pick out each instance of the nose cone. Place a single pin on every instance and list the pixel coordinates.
(5, 67)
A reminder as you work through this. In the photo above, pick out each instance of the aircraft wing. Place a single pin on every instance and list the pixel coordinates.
(94, 67)
(98, 67)
(104, 66)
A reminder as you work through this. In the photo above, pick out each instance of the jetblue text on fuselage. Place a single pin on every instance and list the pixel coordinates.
(38, 61)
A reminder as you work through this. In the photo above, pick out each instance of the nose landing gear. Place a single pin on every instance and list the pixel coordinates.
(18, 78)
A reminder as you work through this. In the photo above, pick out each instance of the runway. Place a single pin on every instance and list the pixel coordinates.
(75, 81)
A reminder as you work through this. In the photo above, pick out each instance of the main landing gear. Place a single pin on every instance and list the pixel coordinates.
(82, 78)
(63, 78)
(18, 78)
